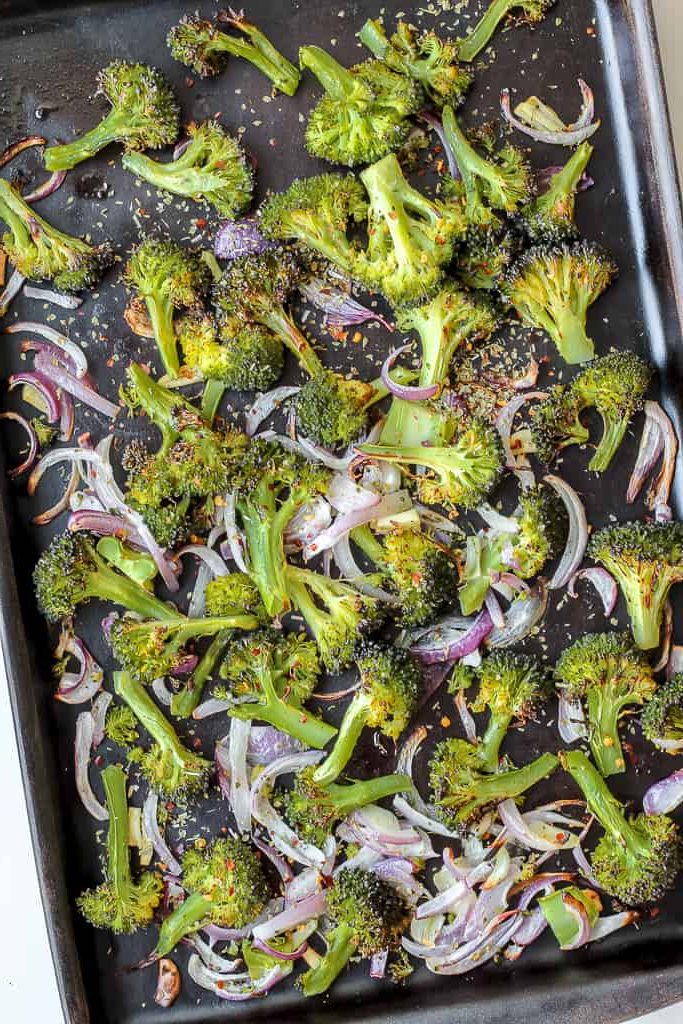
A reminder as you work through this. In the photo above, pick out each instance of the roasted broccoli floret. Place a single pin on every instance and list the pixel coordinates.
(202, 46)
(167, 278)
(316, 212)
(638, 858)
(368, 916)
(169, 767)
(612, 676)
(531, 11)
(389, 688)
(313, 810)
(245, 357)
(552, 289)
(187, 698)
(212, 167)
(662, 719)
(463, 791)
(410, 237)
(430, 60)
(614, 385)
(41, 252)
(550, 217)
(144, 115)
(278, 673)
(121, 726)
(484, 258)
(646, 560)
(70, 572)
(120, 904)
(363, 115)
(503, 181)
(227, 887)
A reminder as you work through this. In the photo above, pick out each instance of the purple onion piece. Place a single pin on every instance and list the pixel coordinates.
(666, 795)
(238, 238)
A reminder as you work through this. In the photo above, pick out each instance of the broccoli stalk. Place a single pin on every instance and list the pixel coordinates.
(120, 904)
(550, 217)
(39, 251)
(144, 115)
(169, 767)
(662, 719)
(479, 38)
(637, 859)
(187, 699)
(212, 167)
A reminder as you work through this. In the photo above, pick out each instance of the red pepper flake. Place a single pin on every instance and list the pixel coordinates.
(655, 912)
(201, 223)
(170, 806)
(189, 82)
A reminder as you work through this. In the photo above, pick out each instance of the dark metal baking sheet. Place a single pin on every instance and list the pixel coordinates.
(49, 55)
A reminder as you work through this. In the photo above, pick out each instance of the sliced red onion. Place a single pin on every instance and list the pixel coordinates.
(494, 610)
(352, 572)
(48, 188)
(444, 643)
(211, 959)
(603, 583)
(293, 915)
(604, 926)
(103, 524)
(12, 151)
(346, 495)
(236, 542)
(301, 886)
(666, 636)
(409, 393)
(659, 495)
(85, 728)
(307, 524)
(212, 706)
(518, 826)
(180, 148)
(650, 448)
(279, 863)
(529, 378)
(235, 987)
(420, 849)
(99, 715)
(571, 135)
(444, 902)
(74, 351)
(237, 238)
(10, 292)
(240, 797)
(525, 612)
(382, 826)
(434, 520)
(404, 766)
(161, 692)
(390, 505)
(77, 687)
(278, 954)
(378, 964)
(544, 175)
(266, 404)
(577, 911)
(434, 121)
(34, 446)
(506, 418)
(496, 521)
(481, 954)
(55, 298)
(266, 743)
(205, 554)
(75, 386)
(577, 539)
(466, 718)
(62, 503)
(571, 721)
(282, 836)
(541, 884)
(420, 820)
(531, 928)
(666, 795)
(309, 450)
(161, 848)
(340, 308)
(675, 663)
(45, 388)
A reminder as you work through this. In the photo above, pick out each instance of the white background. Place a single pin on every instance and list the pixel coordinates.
(28, 992)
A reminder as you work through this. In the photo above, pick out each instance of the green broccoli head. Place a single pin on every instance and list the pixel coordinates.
(484, 257)
(543, 524)
(662, 719)
(530, 11)
(646, 559)
(511, 685)
(196, 43)
(241, 356)
(293, 661)
(374, 910)
(232, 593)
(163, 272)
(550, 217)
(423, 572)
(229, 874)
(333, 409)
(121, 726)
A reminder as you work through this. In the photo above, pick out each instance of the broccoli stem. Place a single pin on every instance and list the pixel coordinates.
(118, 861)
(481, 34)
(337, 81)
(493, 789)
(150, 716)
(29, 228)
(262, 54)
(375, 38)
(349, 798)
(612, 436)
(278, 321)
(645, 599)
(603, 805)
(364, 538)
(385, 186)
(470, 164)
(492, 740)
(353, 723)
(340, 948)
(180, 176)
(110, 129)
(186, 700)
(603, 715)
(185, 919)
(267, 562)
(410, 423)
(295, 721)
(565, 181)
(569, 332)
(107, 584)
(161, 317)
(211, 399)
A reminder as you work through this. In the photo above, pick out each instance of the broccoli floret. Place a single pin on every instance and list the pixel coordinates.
(278, 674)
(552, 289)
(227, 885)
(484, 258)
(550, 217)
(336, 614)
(212, 167)
(614, 385)
(313, 810)
(368, 915)
(410, 237)
(638, 858)
(120, 904)
(70, 572)
(612, 676)
(244, 357)
(662, 719)
(646, 560)
(502, 182)
(41, 252)
(144, 115)
(430, 60)
(169, 767)
(167, 278)
(463, 791)
(333, 409)
(363, 115)
(121, 726)
(187, 698)
(538, 532)
(202, 46)
(389, 688)
(531, 11)
(225, 595)
(315, 212)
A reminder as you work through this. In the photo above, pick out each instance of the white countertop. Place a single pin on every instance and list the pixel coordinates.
(28, 992)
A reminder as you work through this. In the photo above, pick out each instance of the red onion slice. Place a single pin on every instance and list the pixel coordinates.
(10, 292)
(77, 687)
(62, 504)
(234, 987)
(162, 692)
(307, 524)
(521, 829)
(523, 615)
(265, 405)
(34, 446)
(465, 716)
(236, 542)
(505, 420)
(240, 798)
(454, 644)
(390, 505)
(207, 555)
(85, 728)
(604, 926)
(45, 388)
(48, 188)
(54, 298)
(602, 581)
(430, 118)
(577, 539)
(73, 350)
(293, 915)
(340, 308)
(211, 959)
(665, 639)
(494, 610)
(659, 494)
(103, 524)
(420, 820)
(571, 721)
(496, 521)
(282, 836)
(278, 954)
(212, 706)
(409, 393)
(347, 495)
(675, 663)
(75, 386)
(161, 848)
(572, 135)
(99, 716)
(12, 151)
(666, 795)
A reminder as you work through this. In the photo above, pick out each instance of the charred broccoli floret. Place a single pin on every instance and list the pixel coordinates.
(41, 252)
(212, 167)
(368, 915)
(614, 385)
(144, 115)
(531, 11)
(550, 217)
(662, 719)
(167, 278)
(169, 767)
(121, 726)
(638, 858)
(430, 60)
(227, 885)
(484, 258)
(389, 688)
(410, 237)
(120, 904)
(362, 116)
(646, 560)
(244, 357)
(612, 676)
(552, 289)
(202, 46)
